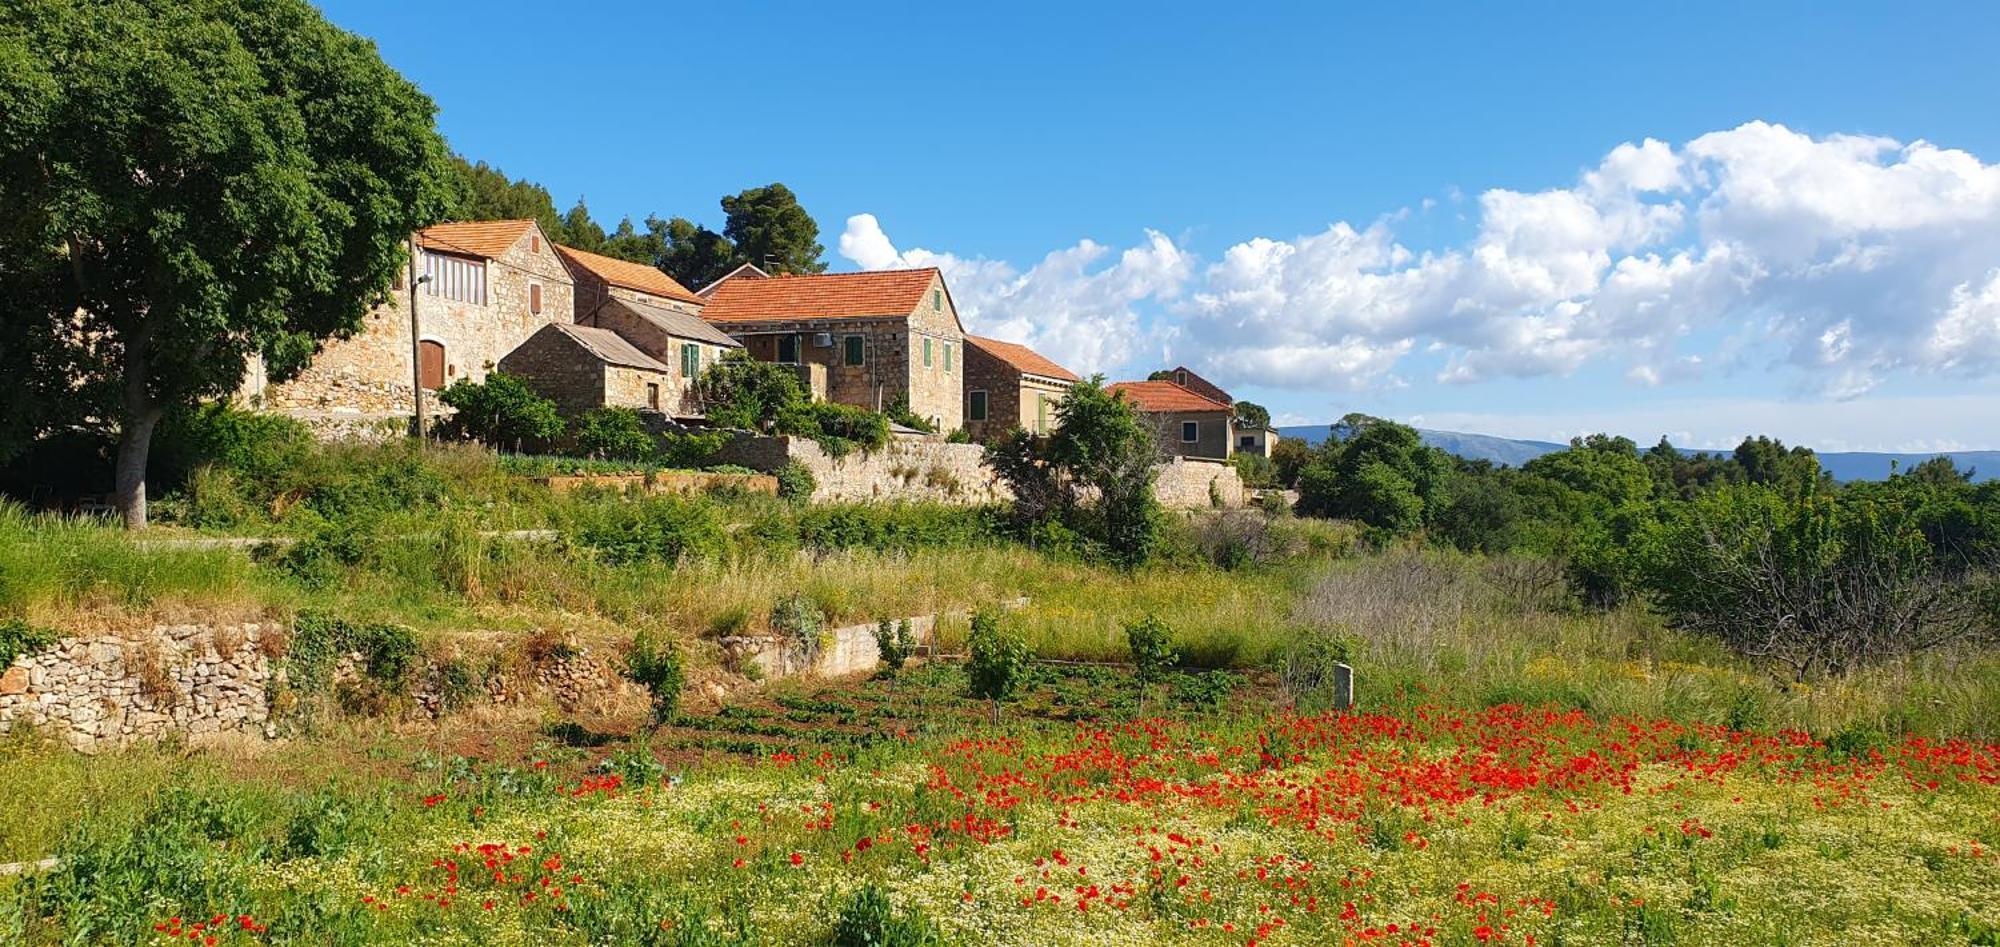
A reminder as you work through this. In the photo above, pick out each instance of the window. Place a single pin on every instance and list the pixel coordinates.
(430, 364)
(975, 406)
(1041, 414)
(690, 360)
(947, 357)
(535, 244)
(1247, 442)
(653, 396)
(535, 298)
(937, 299)
(1180, 377)
(856, 349)
(1190, 431)
(455, 278)
(788, 350)
(927, 352)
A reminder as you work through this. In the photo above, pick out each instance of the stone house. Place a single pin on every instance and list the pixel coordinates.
(865, 339)
(601, 278)
(1186, 423)
(583, 367)
(480, 289)
(1009, 385)
(1181, 375)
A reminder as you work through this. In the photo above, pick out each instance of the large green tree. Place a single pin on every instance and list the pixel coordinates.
(186, 183)
(771, 230)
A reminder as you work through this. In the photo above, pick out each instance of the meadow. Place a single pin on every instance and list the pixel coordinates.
(1521, 769)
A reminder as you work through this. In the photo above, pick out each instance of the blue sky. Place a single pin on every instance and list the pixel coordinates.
(1422, 212)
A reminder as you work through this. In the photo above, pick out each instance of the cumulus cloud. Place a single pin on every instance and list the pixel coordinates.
(1079, 305)
(1848, 258)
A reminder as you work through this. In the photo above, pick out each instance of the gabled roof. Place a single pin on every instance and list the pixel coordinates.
(630, 275)
(673, 322)
(1163, 396)
(608, 346)
(1186, 378)
(821, 296)
(742, 271)
(1021, 357)
(488, 239)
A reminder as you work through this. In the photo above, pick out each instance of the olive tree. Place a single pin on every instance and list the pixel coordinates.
(185, 184)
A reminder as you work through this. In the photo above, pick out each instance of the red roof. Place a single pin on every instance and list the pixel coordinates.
(822, 296)
(488, 239)
(1164, 396)
(1021, 357)
(628, 274)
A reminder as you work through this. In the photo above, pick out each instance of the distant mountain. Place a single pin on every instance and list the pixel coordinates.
(1844, 465)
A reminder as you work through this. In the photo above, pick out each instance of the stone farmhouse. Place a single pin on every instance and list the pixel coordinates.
(865, 339)
(1186, 378)
(624, 310)
(480, 289)
(1009, 385)
(1186, 423)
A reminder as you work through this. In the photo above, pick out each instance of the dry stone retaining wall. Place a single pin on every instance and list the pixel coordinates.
(179, 679)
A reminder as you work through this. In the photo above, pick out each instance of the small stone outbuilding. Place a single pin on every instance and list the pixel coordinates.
(1009, 385)
(581, 367)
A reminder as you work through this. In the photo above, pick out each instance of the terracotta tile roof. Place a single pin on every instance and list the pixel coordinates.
(1021, 357)
(630, 275)
(824, 296)
(1163, 396)
(608, 346)
(489, 239)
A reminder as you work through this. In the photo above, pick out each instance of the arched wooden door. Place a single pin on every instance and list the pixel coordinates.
(430, 363)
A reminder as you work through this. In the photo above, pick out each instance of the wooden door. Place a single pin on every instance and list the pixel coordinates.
(430, 362)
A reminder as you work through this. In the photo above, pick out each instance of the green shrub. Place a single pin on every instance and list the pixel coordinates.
(318, 560)
(998, 660)
(500, 412)
(741, 392)
(253, 444)
(799, 622)
(656, 665)
(17, 638)
(389, 654)
(613, 434)
(898, 410)
(838, 429)
(894, 527)
(796, 481)
(692, 450)
(1151, 644)
(870, 920)
(1307, 668)
(895, 642)
(656, 529)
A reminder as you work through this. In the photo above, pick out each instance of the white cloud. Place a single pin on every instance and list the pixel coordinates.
(1078, 305)
(1849, 259)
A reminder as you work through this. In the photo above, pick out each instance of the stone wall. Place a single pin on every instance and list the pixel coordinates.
(847, 650)
(930, 468)
(1184, 484)
(559, 369)
(909, 468)
(371, 371)
(192, 680)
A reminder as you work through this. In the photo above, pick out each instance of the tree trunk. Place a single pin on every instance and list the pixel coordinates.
(135, 438)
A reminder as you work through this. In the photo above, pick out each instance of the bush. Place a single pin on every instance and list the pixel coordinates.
(1256, 470)
(895, 642)
(870, 920)
(740, 392)
(17, 638)
(318, 560)
(898, 410)
(389, 654)
(838, 429)
(502, 412)
(1152, 646)
(998, 660)
(691, 450)
(797, 621)
(657, 529)
(796, 481)
(613, 434)
(656, 665)
(255, 445)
